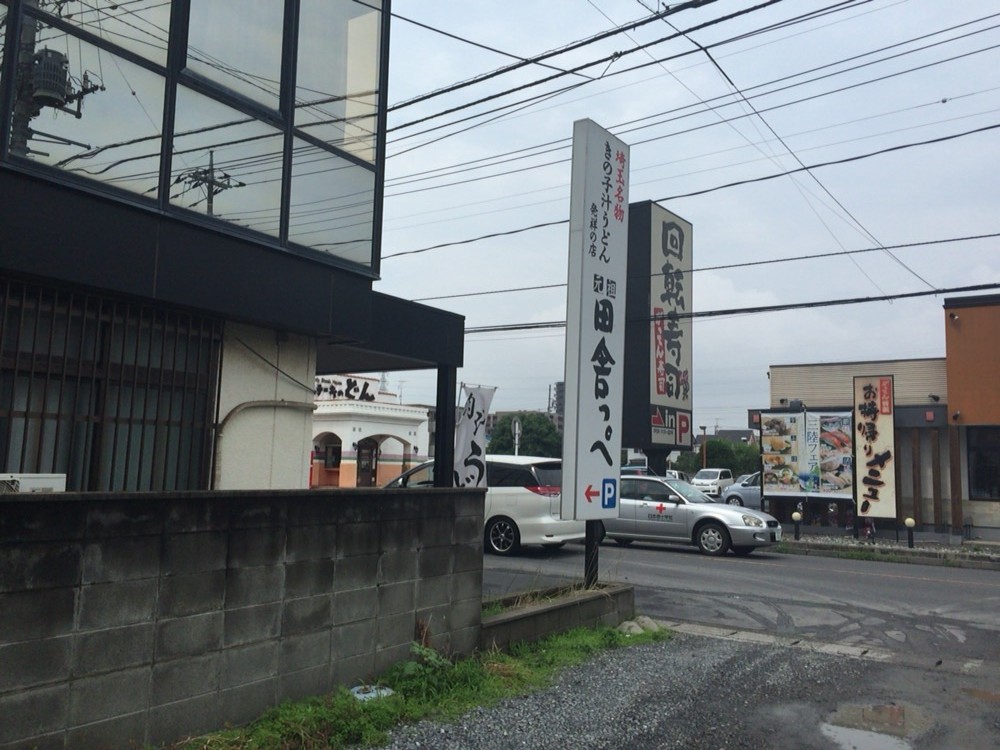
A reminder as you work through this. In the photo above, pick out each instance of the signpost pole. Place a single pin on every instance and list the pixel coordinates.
(591, 554)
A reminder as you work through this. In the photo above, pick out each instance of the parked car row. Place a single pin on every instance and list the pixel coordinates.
(523, 508)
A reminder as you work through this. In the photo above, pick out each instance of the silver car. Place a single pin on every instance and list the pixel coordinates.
(745, 492)
(669, 510)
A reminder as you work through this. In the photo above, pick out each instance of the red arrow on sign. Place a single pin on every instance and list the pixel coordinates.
(590, 493)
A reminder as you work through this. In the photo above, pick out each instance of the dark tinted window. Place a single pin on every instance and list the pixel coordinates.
(640, 488)
(505, 475)
(654, 490)
(549, 473)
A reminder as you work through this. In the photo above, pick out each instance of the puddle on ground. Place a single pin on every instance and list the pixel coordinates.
(876, 727)
(862, 739)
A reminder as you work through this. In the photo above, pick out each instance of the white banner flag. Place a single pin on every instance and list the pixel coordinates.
(470, 437)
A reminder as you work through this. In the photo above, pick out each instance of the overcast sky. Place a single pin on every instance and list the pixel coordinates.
(864, 83)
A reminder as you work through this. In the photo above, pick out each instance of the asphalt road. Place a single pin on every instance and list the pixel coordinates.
(816, 652)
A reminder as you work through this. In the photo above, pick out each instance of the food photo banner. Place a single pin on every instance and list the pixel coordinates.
(807, 454)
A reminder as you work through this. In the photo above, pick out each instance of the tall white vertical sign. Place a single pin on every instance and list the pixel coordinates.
(595, 323)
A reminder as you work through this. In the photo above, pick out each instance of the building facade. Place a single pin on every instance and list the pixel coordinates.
(189, 233)
(362, 435)
(947, 418)
(972, 340)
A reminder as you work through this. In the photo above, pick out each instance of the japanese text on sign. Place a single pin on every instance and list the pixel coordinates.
(670, 393)
(595, 322)
(873, 414)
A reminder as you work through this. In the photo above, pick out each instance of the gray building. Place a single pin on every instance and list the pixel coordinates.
(190, 236)
(190, 213)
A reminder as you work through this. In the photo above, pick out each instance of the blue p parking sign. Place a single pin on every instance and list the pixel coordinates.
(609, 493)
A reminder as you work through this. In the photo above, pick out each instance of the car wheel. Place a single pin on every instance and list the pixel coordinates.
(734, 500)
(502, 536)
(743, 551)
(713, 539)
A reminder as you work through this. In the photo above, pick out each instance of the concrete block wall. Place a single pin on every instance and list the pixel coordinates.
(141, 619)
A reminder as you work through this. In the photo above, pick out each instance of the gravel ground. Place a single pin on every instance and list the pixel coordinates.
(701, 693)
(689, 692)
(695, 692)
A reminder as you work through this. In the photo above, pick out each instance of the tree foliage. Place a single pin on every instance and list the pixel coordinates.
(740, 458)
(539, 437)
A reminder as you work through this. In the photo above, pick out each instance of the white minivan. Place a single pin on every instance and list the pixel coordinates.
(712, 481)
(522, 502)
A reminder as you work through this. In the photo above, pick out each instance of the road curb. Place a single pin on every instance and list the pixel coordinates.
(892, 553)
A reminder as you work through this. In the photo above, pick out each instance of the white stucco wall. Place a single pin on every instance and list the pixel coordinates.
(353, 421)
(265, 410)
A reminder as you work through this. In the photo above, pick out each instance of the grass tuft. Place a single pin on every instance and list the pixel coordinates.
(428, 686)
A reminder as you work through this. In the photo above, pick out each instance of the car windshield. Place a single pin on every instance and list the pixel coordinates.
(688, 492)
(422, 476)
(707, 474)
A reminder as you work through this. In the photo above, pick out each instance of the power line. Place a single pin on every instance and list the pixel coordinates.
(809, 172)
(738, 183)
(456, 37)
(731, 266)
(832, 162)
(622, 129)
(604, 60)
(751, 310)
(552, 53)
(345, 207)
(695, 156)
(615, 56)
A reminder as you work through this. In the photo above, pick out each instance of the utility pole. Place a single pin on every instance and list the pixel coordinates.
(24, 108)
(704, 448)
(213, 184)
(42, 80)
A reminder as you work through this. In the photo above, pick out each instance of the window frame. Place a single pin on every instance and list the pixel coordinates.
(978, 439)
(176, 74)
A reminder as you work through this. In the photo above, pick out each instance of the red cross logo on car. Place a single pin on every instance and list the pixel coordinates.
(660, 508)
